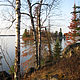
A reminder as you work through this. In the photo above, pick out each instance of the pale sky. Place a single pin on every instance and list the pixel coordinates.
(66, 9)
(61, 19)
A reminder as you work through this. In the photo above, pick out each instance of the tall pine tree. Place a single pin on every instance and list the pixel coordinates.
(73, 35)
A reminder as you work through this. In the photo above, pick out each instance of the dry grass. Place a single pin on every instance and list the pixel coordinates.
(66, 69)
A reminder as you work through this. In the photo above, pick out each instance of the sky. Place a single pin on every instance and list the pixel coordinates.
(62, 18)
(66, 8)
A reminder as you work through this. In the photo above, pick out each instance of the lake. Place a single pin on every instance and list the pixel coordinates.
(8, 45)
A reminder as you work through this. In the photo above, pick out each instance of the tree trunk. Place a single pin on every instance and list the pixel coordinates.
(17, 42)
(34, 30)
(39, 32)
(39, 15)
(39, 40)
(49, 41)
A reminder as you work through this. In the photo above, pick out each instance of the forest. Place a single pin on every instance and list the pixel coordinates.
(39, 52)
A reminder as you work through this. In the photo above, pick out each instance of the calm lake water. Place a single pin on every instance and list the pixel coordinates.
(8, 45)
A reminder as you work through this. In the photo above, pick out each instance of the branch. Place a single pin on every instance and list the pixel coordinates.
(10, 4)
(39, 3)
(5, 5)
(26, 14)
(50, 8)
(5, 59)
(11, 24)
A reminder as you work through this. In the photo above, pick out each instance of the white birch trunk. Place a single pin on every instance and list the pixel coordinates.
(39, 36)
(17, 42)
(39, 33)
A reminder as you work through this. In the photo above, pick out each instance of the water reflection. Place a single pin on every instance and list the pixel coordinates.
(8, 45)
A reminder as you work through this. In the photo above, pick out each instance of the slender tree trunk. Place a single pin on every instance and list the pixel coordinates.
(39, 32)
(35, 39)
(39, 39)
(17, 44)
(34, 30)
(39, 15)
(49, 41)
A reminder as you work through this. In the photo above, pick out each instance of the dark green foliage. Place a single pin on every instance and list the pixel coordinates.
(78, 34)
(56, 33)
(25, 34)
(60, 33)
(57, 49)
(78, 28)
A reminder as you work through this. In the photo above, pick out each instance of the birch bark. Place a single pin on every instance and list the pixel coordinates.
(17, 42)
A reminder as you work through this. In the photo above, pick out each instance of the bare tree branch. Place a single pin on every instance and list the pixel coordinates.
(39, 3)
(10, 4)
(11, 24)
(50, 8)
(5, 59)
(26, 14)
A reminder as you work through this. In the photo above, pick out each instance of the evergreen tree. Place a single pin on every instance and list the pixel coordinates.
(57, 49)
(60, 33)
(25, 34)
(56, 33)
(73, 35)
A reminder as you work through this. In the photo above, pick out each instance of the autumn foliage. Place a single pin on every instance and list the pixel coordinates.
(73, 35)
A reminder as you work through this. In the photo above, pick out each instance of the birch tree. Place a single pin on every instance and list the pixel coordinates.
(16, 10)
(17, 44)
(40, 9)
(38, 3)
